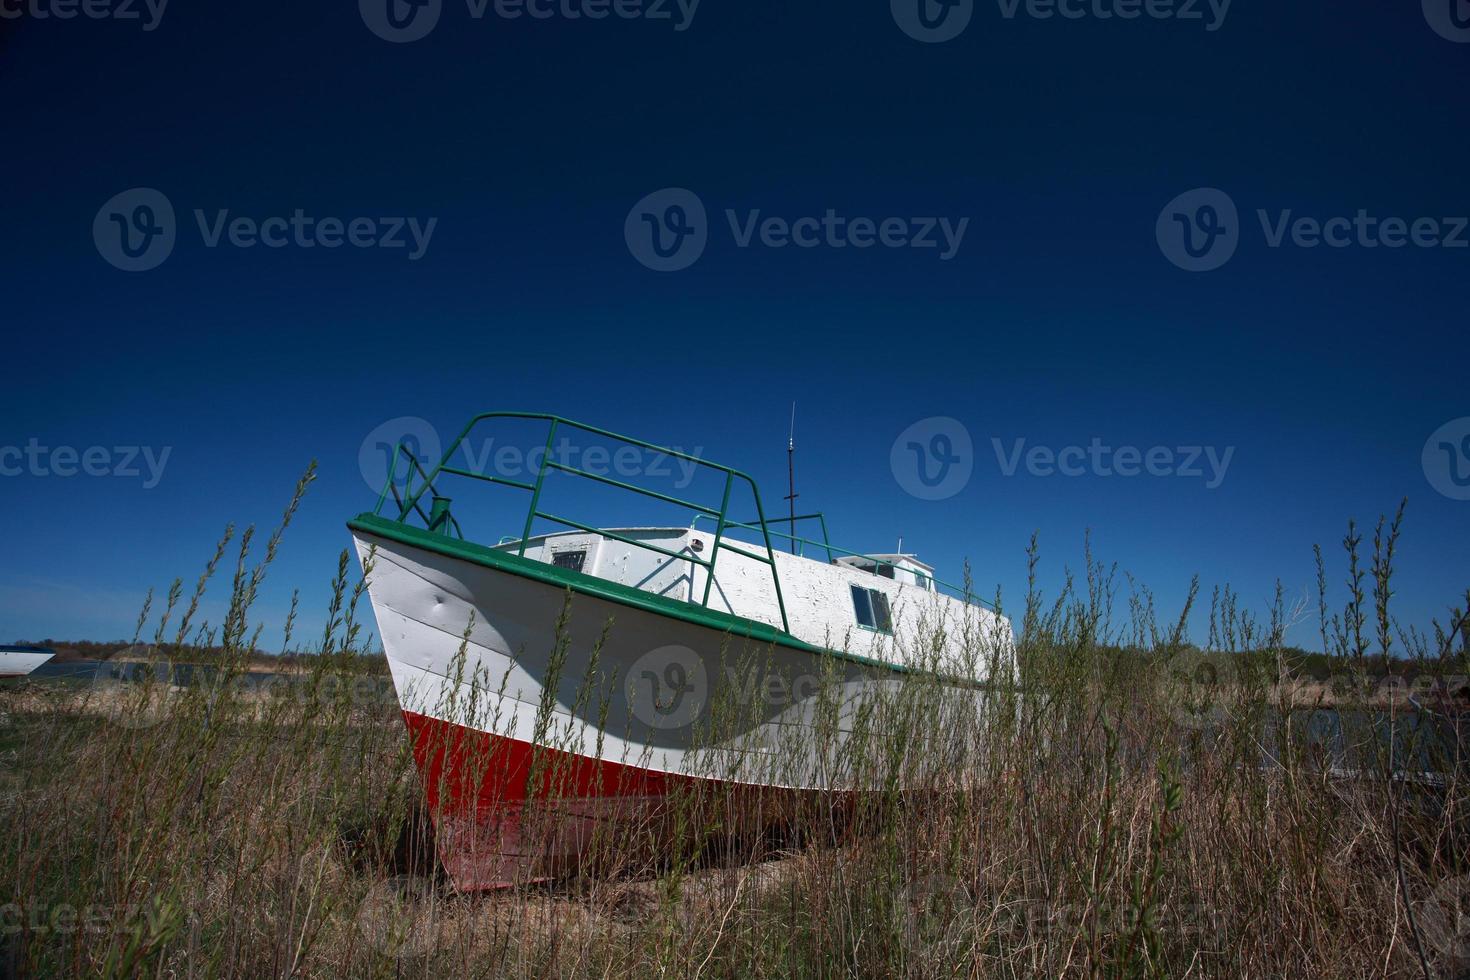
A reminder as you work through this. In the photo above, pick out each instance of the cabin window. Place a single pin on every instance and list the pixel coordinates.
(862, 606)
(923, 581)
(871, 609)
(572, 560)
(880, 611)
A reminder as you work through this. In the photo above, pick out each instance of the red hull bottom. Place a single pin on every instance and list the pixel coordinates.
(507, 812)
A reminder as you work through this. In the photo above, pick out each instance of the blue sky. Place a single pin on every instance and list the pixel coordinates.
(1060, 318)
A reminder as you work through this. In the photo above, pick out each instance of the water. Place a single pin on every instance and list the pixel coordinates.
(69, 669)
(1346, 740)
(365, 687)
(1353, 740)
(122, 672)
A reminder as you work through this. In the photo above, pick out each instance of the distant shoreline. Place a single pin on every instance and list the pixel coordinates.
(130, 653)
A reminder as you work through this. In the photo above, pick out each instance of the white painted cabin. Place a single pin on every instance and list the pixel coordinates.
(882, 606)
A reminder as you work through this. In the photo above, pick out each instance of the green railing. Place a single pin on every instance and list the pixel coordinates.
(439, 519)
(798, 544)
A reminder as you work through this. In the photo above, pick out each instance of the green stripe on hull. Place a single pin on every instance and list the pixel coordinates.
(591, 585)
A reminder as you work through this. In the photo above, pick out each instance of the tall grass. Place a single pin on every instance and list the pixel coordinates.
(1121, 802)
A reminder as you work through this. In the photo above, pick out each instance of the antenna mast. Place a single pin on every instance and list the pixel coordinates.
(791, 475)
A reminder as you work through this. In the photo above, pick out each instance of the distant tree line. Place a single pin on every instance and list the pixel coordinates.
(70, 650)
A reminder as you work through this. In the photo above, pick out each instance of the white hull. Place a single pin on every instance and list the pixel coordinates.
(19, 663)
(669, 701)
(635, 712)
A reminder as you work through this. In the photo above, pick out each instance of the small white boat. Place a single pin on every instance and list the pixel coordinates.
(18, 661)
(602, 670)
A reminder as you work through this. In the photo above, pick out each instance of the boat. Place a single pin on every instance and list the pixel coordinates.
(574, 686)
(18, 661)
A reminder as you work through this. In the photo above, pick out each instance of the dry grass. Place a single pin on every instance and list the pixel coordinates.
(1105, 817)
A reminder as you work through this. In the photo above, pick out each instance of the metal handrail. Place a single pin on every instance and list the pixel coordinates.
(547, 463)
(824, 543)
(392, 484)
